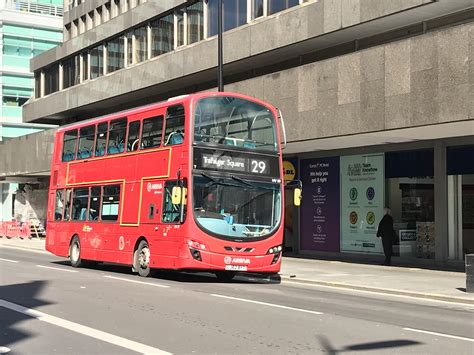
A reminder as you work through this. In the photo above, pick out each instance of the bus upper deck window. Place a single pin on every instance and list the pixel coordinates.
(117, 132)
(152, 132)
(174, 131)
(133, 136)
(101, 139)
(69, 145)
(86, 142)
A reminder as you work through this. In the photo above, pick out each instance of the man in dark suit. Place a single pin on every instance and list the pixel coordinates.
(387, 233)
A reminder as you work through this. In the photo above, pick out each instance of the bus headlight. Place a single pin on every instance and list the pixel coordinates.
(275, 250)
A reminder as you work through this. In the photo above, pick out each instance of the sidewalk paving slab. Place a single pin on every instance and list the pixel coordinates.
(414, 282)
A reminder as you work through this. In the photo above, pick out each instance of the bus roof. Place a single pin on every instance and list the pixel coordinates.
(171, 101)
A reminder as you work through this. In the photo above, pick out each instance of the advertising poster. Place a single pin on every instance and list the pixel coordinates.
(362, 202)
(320, 204)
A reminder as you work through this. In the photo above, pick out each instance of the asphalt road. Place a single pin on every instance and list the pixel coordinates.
(47, 307)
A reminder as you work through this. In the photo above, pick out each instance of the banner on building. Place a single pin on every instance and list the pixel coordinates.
(362, 199)
(320, 206)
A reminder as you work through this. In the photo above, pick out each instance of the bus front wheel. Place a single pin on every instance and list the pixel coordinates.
(75, 252)
(142, 259)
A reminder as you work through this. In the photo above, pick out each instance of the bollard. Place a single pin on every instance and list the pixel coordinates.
(469, 272)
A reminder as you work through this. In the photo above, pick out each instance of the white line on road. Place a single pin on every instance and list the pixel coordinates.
(8, 260)
(82, 329)
(55, 268)
(137, 282)
(267, 304)
(439, 334)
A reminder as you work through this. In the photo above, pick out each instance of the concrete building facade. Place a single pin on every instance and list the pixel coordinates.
(28, 28)
(377, 98)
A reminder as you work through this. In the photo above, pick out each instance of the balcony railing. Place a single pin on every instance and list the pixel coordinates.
(32, 7)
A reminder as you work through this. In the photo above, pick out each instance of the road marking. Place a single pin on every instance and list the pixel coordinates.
(8, 260)
(82, 329)
(267, 304)
(137, 282)
(439, 334)
(4, 350)
(55, 268)
(24, 249)
(348, 289)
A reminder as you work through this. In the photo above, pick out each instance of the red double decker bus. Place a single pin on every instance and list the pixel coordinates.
(194, 183)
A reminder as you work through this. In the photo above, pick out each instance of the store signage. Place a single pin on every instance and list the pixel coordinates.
(362, 199)
(289, 171)
(320, 208)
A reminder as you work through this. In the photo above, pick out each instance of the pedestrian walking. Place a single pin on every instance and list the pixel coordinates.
(387, 233)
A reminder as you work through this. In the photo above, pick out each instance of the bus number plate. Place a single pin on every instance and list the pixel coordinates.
(236, 267)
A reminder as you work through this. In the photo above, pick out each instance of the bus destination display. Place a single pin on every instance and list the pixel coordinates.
(238, 164)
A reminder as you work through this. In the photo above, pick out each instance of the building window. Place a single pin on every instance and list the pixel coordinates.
(140, 44)
(115, 54)
(195, 22)
(85, 66)
(110, 203)
(257, 8)
(162, 35)
(280, 5)
(180, 28)
(51, 79)
(235, 14)
(37, 84)
(97, 61)
(71, 71)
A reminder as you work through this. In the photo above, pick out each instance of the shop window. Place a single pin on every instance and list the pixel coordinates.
(94, 203)
(101, 139)
(86, 142)
(79, 204)
(59, 205)
(172, 213)
(110, 203)
(118, 129)
(152, 132)
(133, 136)
(174, 131)
(69, 145)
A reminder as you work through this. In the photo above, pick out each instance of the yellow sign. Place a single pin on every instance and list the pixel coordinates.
(289, 171)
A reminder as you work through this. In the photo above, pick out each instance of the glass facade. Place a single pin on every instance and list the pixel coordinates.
(185, 26)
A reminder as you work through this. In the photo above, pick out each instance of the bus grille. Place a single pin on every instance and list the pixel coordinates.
(239, 250)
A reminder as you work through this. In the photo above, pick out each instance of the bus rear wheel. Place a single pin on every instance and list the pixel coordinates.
(75, 252)
(142, 259)
(225, 276)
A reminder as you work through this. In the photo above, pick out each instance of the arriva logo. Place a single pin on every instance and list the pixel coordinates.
(228, 260)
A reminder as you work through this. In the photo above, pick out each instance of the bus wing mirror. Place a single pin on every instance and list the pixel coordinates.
(283, 129)
(176, 195)
(297, 197)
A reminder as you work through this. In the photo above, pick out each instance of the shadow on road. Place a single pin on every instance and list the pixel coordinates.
(25, 295)
(389, 344)
(183, 276)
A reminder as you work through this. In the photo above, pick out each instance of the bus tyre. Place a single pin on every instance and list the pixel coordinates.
(225, 276)
(75, 252)
(142, 259)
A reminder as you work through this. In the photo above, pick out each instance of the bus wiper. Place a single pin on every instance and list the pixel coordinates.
(242, 181)
(208, 177)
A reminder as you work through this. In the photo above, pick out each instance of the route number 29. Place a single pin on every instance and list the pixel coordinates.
(258, 166)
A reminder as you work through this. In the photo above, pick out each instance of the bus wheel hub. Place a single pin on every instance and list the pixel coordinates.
(144, 258)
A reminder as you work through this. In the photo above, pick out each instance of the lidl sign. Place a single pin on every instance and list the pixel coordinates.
(289, 171)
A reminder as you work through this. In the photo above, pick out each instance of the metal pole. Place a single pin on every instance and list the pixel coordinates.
(220, 47)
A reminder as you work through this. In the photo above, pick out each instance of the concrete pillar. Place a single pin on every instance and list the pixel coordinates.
(441, 201)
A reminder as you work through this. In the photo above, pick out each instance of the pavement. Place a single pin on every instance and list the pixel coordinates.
(419, 283)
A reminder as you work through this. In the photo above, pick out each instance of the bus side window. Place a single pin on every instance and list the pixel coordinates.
(67, 205)
(171, 213)
(110, 203)
(174, 131)
(94, 204)
(101, 139)
(79, 204)
(152, 132)
(133, 135)
(69, 145)
(117, 132)
(59, 205)
(86, 142)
